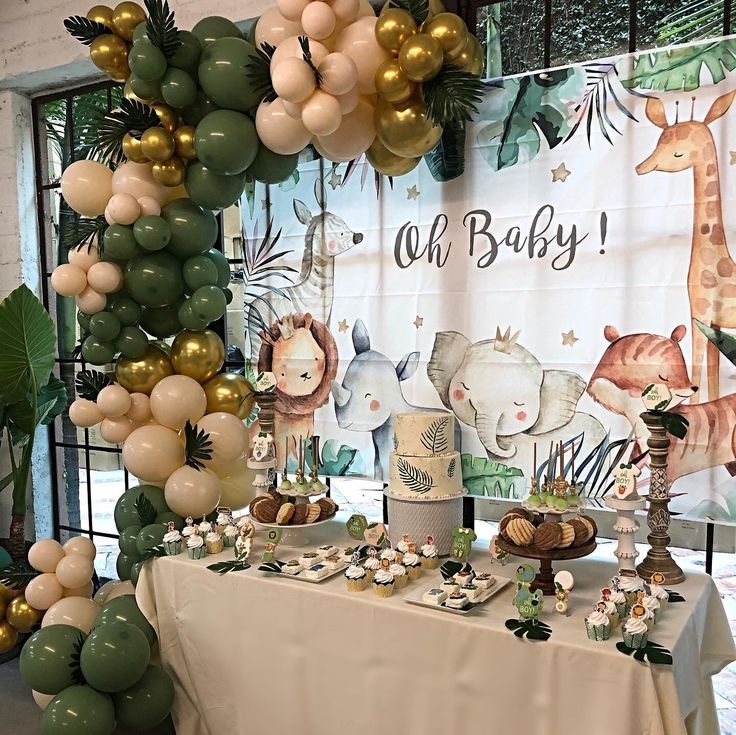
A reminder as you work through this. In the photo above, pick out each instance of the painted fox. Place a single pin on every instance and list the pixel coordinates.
(632, 362)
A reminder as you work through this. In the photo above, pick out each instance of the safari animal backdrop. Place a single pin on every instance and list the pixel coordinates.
(536, 295)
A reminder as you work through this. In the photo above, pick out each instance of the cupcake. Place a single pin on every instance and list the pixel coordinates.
(631, 586)
(383, 583)
(618, 598)
(214, 542)
(189, 529)
(222, 522)
(651, 603)
(229, 536)
(430, 557)
(204, 526)
(663, 597)
(172, 541)
(608, 607)
(598, 626)
(401, 578)
(389, 554)
(371, 566)
(356, 578)
(403, 545)
(635, 632)
(195, 547)
(413, 565)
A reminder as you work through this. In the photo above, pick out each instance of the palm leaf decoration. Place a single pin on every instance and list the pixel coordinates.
(131, 117)
(155, 552)
(198, 446)
(89, 383)
(675, 596)
(353, 166)
(452, 96)
(273, 567)
(145, 510)
(434, 437)
(446, 161)
(702, 19)
(160, 27)
(451, 467)
(416, 479)
(78, 231)
(259, 72)
(84, 29)
(653, 652)
(17, 575)
(307, 56)
(223, 567)
(534, 630)
(75, 663)
(418, 9)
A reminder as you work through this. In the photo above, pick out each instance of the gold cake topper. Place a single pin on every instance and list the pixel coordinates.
(505, 342)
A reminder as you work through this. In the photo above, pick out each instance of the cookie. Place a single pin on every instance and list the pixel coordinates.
(313, 512)
(519, 511)
(519, 532)
(583, 531)
(276, 495)
(506, 520)
(328, 507)
(568, 536)
(536, 518)
(300, 514)
(264, 509)
(285, 514)
(593, 524)
(547, 536)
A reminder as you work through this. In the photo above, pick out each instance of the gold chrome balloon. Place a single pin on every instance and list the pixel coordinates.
(169, 173)
(168, 116)
(389, 163)
(184, 142)
(393, 27)
(230, 393)
(435, 8)
(22, 616)
(140, 375)
(120, 72)
(421, 57)
(471, 57)
(126, 17)
(8, 636)
(132, 149)
(405, 128)
(8, 593)
(100, 14)
(391, 83)
(157, 144)
(199, 355)
(109, 52)
(450, 30)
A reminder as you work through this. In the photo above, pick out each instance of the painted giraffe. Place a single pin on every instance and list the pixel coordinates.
(711, 280)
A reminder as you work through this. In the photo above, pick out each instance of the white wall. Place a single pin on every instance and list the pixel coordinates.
(37, 56)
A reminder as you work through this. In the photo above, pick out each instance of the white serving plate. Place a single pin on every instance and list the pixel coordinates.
(301, 578)
(501, 582)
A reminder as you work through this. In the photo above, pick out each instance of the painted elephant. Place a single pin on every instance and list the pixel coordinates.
(501, 389)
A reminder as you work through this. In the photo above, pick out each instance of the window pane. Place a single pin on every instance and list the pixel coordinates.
(665, 22)
(521, 25)
(51, 129)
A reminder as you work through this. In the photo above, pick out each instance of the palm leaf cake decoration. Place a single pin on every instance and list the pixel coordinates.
(434, 437)
(416, 479)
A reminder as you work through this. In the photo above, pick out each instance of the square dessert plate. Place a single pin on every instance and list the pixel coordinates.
(486, 595)
(271, 570)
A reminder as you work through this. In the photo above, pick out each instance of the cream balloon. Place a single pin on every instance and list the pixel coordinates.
(293, 109)
(191, 492)
(42, 700)
(87, 186)
(346, 11)
(113, 401)
(292, 47)
(176, 400)
(149, 206)
(228, 435)
(318, 20)
(45, 554)
(321, 113)
(84, 256)
(117, 430)
(43, 591)
(122, 588)
(80, 545)
(339, 73)
(272, 27)
(354, 136)
(84, 413)
(105, 277)
(293, 80)
(291, 9)
(365, 9)
(348, 102)
(91, 301)
(278, 131)
(122, 209)
(85, 590)
(74, 570)
(79, 612)
(113, 588)
(137, 180)
(140, 408)
(358, 41)
(236, 484)
(151, 453)
(68, 280)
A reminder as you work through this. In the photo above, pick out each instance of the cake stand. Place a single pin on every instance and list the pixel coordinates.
(298, 498)
(264, 474)
(293, 537)
(626, 527)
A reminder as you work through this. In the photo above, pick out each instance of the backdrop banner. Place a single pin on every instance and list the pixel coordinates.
(534, 297)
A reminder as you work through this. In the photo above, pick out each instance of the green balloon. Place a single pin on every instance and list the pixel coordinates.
(226, 142)
(83, 320)
(125, 309)
(186, 57)
(211, 190)
(128, 504)
(127, 538)
(123, 565)
(97, 351)
(178, 88)
(131, 342)
(114, 657)
(229, 296)
(5, 558)
(249, 32)
(152, 232)
(272, 168)
(104, 325)
(125, 609)
(189, 320)
(140, 32)
(79, 709)
(163, 322)
(199, 271)
(208, 302)
(154, 279)
(212, 27)
(146, 61)
(193, 228)
(119, 242)
(145, 89)
(135, 572)
(47, 659)
(150, 536)
(223, 267)
(202, 106)
(224, 74)
(164, 518)
(147, 703)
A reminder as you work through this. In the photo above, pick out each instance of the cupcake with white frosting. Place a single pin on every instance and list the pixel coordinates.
(635, 632)
(356, 578)
(631, 587)
(598, 626)
(389, 554)
(429, 555)
(371, 565)
(195, 547)
(413, 564)
(383, 583)
(656, 589)
(230, 536)
(214, 542)
(618, 598)
(172, 541)
(204, 526)
(651, 603)
(401, 578)
(403, 546)
(222, 522)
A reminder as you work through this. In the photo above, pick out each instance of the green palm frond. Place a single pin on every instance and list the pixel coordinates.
(418, 9)
(84, 29)
(307, 56)
(698, 20)
(452, 96)
(259, 72)
(77, 231)
(446, 161)
(17, 575)
(131, 117)
(89, 383)
(161, 28)
(198, 446)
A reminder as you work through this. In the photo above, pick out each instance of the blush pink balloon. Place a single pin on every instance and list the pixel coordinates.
(122, 209)
(358, 41)
(84, 413)
(354, 136)
(293, 80)
(42, 700)
(86, 187)
(74, 570)
(321, 113)
(91, 301)
(228, 435)
(292, 47)
(339, 73)
(318, 20)
(191, 492)
(176, 400)
(153, 452)
(149, 206)
(45, 554)
(79, 612)
(105, 277)
(68, 280)
(348, 102)
(140, 408)
(113, 401)
(84, 256)
(272, 27)
(80, 545)
(291, 9)
(117, 430)
(43, 591)
(346, 11)
(137, 180)
(293, 109)
(278, 131)
(83, 591)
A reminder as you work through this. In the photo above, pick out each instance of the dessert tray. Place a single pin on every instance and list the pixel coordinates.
(273, 569)
(296, 494)
(501, 583)
(550, 509)
(292, 536)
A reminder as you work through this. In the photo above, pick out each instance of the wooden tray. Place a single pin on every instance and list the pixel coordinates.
(501, 582)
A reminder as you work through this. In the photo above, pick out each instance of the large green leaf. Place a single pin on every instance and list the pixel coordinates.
(446, 161)
(726, 343)
(28, 340)
(483, 476)
(680, 69)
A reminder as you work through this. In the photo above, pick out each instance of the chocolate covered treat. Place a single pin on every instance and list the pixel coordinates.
(547, 536)
(519, 532)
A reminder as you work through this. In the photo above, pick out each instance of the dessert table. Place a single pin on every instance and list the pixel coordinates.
(252, 653)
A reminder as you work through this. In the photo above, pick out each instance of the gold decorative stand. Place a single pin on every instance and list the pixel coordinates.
(658, 558)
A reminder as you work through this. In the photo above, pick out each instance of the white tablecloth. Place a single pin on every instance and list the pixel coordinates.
(255, 654)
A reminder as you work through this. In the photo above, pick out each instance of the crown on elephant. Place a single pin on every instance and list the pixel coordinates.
(505, 342)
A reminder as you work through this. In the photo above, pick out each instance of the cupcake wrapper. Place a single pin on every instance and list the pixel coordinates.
(357, 585)
(658, 613)
(214, 547)
(199, 553)
(369, 575)
(598, 632)
(631, 598)
(384, 590)
(414, 572)
(401, 581)
(635, 640)
(431, 562)
(615, 619)
(229, 541)
(621, 609)
(172, 548)
(663, 604)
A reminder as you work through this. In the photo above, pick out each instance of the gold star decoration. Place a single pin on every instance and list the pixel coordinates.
(569, 338)
(335, 180)
(560, 173)
(343, 325)
(412, 192)
(733, 157)
(418, 321)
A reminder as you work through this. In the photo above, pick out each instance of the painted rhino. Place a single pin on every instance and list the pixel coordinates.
(501, 389)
